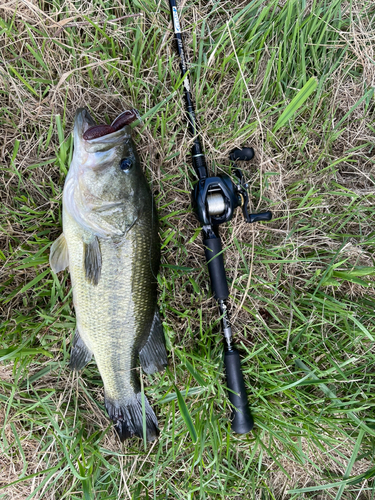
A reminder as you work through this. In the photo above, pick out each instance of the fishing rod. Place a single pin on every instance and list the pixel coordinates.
(214, 199)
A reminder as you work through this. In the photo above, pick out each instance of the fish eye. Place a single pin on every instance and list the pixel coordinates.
(126, 164)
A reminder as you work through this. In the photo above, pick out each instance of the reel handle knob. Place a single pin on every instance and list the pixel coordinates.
(242, 154)
(261, 217)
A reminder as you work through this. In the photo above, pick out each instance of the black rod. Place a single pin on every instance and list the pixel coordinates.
(198, 158)
(242, 421)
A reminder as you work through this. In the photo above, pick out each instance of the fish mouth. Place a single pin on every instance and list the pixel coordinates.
(92, 134)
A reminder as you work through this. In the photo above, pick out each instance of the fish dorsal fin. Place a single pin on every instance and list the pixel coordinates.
(80, 355)
(59, 256)
(153, 355)
(93, 260)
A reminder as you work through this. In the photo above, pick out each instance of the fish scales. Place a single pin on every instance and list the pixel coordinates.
(110, 244)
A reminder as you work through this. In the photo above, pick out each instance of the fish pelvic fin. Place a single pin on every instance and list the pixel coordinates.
(93, 260)
(128, 418)
(59, 256)
(153, 355)
(80, 355)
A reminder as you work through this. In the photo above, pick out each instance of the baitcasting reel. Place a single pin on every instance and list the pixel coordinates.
(214, 199)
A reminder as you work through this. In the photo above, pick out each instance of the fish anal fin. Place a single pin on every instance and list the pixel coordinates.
(80, 354)
(93, 260)
(59, 256)
(153, 355)
(128, 418)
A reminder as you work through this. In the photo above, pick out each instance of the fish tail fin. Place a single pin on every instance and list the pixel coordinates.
(128, 417)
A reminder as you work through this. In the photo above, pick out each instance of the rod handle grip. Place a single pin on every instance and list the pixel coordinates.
(242, 421)
(215, 263)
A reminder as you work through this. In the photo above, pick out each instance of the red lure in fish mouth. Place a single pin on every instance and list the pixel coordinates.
(125, 118)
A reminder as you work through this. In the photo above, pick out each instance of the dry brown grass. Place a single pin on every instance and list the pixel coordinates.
(297, 165)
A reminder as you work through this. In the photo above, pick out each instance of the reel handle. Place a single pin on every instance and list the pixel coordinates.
(246, 154)
(242, 421)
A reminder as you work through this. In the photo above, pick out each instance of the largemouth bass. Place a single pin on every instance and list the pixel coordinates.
(111, 245)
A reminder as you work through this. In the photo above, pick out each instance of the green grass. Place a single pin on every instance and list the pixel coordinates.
(293, 79)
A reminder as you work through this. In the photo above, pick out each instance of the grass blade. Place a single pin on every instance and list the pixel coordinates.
(186, 416)
(296, 103)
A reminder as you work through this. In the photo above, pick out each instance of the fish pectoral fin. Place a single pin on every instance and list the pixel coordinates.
(128, 418)
(80, 355)
(59, 256)
(153, 355)
(93, 260)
